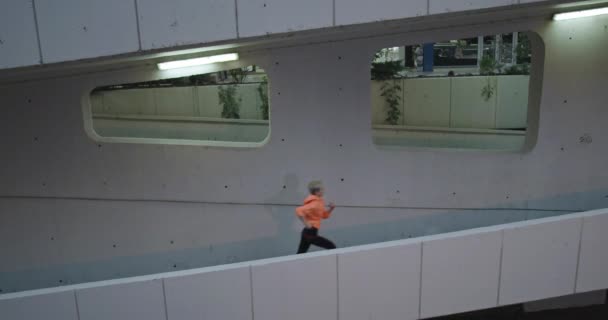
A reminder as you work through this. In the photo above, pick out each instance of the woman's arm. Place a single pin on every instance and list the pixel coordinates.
(327, 214)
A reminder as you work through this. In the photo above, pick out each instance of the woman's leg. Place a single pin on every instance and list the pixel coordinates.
(323, 242)
(305, 241)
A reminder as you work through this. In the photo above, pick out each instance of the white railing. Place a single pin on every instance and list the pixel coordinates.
(408, 279)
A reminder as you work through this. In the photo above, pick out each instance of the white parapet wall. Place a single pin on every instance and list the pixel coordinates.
(457, 102)
(450, 112)
(408, 279)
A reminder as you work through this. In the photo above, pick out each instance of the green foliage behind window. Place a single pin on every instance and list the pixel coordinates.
(229, 101)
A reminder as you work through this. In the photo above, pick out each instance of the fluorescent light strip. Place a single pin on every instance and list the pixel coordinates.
(580, 14)
(198, 61)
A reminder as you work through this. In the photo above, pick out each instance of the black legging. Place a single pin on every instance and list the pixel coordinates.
(311, 236)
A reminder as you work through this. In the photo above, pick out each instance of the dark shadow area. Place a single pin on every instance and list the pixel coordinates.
(597, 312)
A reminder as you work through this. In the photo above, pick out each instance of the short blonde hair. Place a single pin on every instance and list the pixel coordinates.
(315, 186)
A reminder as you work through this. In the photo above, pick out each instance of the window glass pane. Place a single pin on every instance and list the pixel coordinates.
(472, 93)
(226, 106)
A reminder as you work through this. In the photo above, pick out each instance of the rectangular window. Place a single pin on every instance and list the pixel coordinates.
(464, 94)
(226, 108)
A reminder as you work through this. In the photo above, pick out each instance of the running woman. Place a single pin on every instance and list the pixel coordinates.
(311, 214)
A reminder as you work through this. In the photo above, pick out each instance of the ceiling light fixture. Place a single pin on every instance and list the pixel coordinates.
(580, 14)
(198, 61)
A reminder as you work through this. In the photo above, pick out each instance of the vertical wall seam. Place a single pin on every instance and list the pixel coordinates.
(496, 104)
(337, 287)
(403, 101)
(334, 13)
(420, 281)
(137, 22)
(450, 112)
(251, 291)
(77, 307)
(236, 18)
(37, 32)
(195, 107)
(578, 259)
(502, 246)
(154, 93)
(165, 300)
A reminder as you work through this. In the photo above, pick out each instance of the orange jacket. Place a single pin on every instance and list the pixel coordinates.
(313, 211)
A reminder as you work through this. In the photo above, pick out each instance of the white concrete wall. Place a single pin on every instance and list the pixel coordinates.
(74, 210)
(408, 279)
(456, 102)
(47, 31)
(451, 113)
(200, 101)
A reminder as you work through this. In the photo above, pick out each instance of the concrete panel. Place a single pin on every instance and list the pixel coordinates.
(539, 261)
(380, 283)
(593, 262)
(378, 112)
(79, 29)
(250, 102)
(427, 102)
(138, 300)
(52, 306)
(18, 38)
(37, 248)
(444, 6)
(460, 274)
(177, 101)
(134, 102)
(208, 102)
(97, 105)
(361, 11)
(221, 294)
(512, 102)
(182, 22)
(469, 109)
(299, 289)
(261, 17)
(180, 237)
